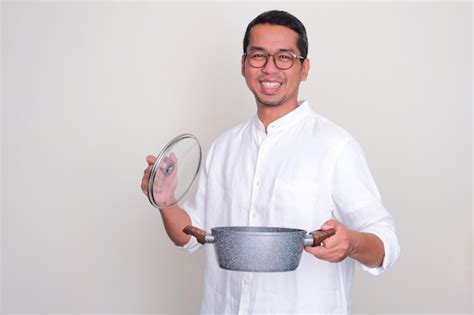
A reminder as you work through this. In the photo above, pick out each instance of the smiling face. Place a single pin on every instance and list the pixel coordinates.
(271, 86)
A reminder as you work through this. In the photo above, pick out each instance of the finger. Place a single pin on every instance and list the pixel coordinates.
(158, 182)
(318, 251)
(145, 179)
(328, 243)
(329, 224)
(334, 256)
(144, 186)
(150, 159)
(159, 177)
(173, 157)
(146, 176)
(147, 171)
(322, 253)
(165, 162)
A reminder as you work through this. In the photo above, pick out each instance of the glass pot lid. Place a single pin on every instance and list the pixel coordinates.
(174, 171)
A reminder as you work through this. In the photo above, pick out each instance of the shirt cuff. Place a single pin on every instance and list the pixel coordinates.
(190, 246)
(391, 249)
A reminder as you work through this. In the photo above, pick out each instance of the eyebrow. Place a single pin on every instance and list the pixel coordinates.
(253, 48)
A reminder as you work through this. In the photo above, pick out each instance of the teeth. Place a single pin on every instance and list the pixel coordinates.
(271, 85)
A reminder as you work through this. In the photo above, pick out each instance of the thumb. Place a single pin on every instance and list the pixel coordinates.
(329, 224)
(150, 159)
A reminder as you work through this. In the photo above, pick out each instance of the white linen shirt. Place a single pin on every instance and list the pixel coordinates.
(303, 171)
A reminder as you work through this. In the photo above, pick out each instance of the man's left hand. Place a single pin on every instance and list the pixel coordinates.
(337, 247)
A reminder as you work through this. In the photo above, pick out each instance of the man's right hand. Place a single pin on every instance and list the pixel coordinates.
(164, 186)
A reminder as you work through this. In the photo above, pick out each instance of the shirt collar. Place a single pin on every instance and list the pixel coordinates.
(284, 122)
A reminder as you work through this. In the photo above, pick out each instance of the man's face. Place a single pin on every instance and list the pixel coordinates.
(270, 85)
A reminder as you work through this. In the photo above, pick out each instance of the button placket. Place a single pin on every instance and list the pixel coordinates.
(256, 183)
(245, 293)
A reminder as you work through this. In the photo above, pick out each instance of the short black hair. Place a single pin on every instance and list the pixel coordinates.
(282, 18)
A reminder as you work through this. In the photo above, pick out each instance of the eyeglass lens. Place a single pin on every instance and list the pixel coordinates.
(282, 60)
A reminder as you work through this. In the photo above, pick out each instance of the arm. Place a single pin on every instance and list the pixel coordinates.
(367, 248)
(175, 219)
(368, 233)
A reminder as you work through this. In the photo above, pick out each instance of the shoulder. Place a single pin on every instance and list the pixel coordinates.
(328, 133)
(337, 141)
(232, 137)
(234, 133)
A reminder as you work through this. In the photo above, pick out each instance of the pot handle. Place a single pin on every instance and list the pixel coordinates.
(315, 238)
(201, 236)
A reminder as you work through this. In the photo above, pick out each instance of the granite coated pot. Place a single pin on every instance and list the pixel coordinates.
(258, 249)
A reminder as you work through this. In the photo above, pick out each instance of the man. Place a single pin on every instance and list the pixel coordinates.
(286, 167)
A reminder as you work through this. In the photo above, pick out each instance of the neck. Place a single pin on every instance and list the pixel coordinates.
(268, 114)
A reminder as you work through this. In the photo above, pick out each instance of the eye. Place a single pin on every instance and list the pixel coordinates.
(258, 55)
(285, 57)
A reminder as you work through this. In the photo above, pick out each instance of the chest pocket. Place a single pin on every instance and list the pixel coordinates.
(294, 204)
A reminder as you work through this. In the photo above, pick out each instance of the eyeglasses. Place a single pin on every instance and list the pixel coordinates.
(283, 60)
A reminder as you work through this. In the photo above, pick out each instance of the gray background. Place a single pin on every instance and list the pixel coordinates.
(90, 88)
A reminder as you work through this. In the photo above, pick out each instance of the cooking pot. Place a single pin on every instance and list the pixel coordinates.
(258, 248)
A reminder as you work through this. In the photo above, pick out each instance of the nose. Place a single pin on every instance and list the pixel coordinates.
(270, 66)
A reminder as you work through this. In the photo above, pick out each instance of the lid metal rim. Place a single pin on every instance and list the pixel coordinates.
(159, 158)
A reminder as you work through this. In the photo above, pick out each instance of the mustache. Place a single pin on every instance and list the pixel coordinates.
(274, 78)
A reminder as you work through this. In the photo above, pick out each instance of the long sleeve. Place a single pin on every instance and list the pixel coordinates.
(358, 202)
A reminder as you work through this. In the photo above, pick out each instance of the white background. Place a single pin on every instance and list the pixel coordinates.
(90, 88)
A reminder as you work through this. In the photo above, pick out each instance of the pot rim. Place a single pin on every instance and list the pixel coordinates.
(257, 230)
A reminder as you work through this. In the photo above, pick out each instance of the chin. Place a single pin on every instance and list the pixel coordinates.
(269, 102)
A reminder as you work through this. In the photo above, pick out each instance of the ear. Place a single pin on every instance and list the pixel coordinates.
(242, 65)
(305, 69)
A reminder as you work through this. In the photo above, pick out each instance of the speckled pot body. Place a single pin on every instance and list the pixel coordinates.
(258, 249)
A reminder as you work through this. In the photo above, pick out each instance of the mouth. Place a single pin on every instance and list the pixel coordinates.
(270, 87)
